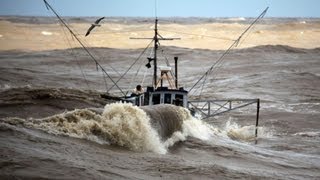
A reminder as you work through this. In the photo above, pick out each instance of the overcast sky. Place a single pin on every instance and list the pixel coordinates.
(167, 8)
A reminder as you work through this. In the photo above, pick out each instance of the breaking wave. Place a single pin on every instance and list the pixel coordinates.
(46, 33)
(245, 133)
(308, 134)
(150, 128)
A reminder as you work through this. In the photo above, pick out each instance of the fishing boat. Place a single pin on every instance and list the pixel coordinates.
(165, 88)
(159, 93)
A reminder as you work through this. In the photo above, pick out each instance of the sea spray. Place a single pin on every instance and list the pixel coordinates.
(244, 133)
(130, 126)
(175, 124)
(190, 127)
(120, 124)
(150, 128)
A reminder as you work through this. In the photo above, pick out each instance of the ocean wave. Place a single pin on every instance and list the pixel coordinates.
(46, 33)
(277, 49)
(146, 129)
(120, 124)
(245, 133)
(308, 134)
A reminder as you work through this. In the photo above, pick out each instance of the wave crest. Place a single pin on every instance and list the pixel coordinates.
(121, 124)
(151, 128)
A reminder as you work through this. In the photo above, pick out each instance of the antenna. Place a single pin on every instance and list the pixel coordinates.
(156, 38)
(156, 8)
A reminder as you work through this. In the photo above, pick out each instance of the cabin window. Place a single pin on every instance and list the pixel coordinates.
(178, 100)
(156, 99)
(167, 98)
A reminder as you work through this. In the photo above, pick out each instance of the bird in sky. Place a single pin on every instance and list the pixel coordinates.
(96, 23)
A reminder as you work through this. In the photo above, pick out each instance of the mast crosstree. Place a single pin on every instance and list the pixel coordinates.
(156, 38)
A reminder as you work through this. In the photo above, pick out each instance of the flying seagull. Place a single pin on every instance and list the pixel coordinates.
(96, 23)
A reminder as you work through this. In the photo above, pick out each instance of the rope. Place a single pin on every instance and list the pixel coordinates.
(234, 44)
(83, 46)
(96, 64)
(74, 54)
(144, 76)
(168, 63)
(105, 81)
(131, 65)
(66, 39)
(88, 45)
(135, 76)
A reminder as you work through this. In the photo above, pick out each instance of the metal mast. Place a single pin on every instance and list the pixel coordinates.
(156, 38)
(156, 42)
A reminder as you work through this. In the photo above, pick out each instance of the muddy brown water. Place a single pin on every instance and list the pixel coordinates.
(55, 125)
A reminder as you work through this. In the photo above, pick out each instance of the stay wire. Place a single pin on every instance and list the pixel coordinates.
(97, 67)
(234, 44)
(132, 65)
(136, 74)
(80, 42)
(75, 56)
(89, 46)
(167, 61)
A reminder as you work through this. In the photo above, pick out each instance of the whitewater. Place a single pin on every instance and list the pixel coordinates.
(162, 131)
(151, 128)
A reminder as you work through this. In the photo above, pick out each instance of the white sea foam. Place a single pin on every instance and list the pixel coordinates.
(308, 134)
(122, 124)
(129, 126)
(245, 133)
(191, 127)
(5, 86)
(46, 33)
(237, 19)
(294, 107)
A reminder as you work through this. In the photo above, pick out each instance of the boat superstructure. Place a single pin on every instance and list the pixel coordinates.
(165, 89)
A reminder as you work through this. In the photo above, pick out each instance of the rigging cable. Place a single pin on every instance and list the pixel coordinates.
(100, 57)
(136, 74)
(66, 39)
(234, 44)
(105, 81)
(96, 52)
(131, 65)
(74, 54)
(167, 62)
(75, 36)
